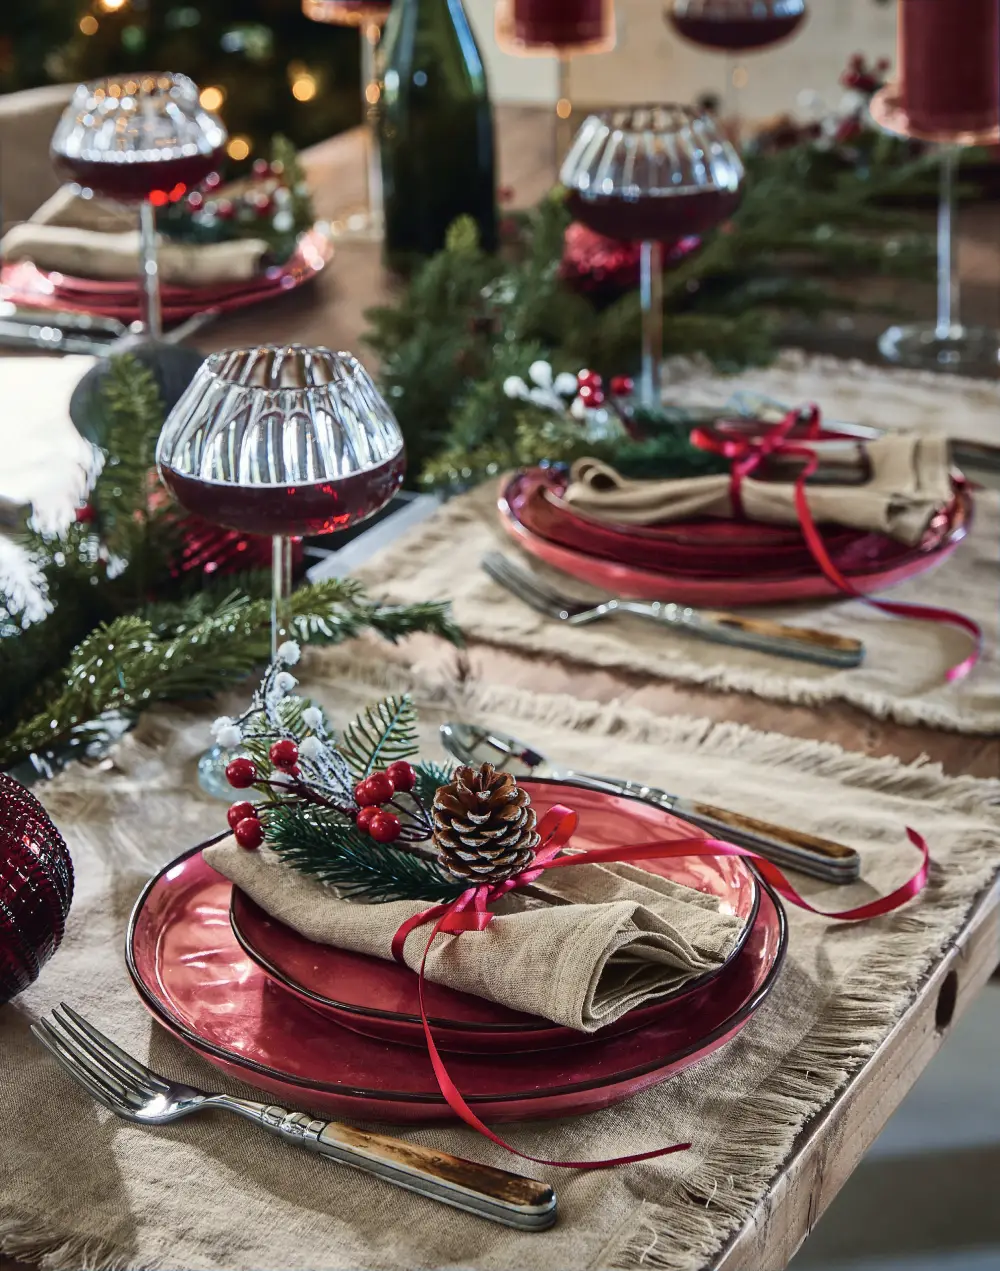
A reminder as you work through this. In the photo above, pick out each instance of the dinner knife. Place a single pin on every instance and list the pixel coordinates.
(808, 853)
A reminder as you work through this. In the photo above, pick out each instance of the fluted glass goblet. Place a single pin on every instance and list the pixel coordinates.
(651, 174)
(142, 139)
(732, 27)
(369, 17)
(284, 441)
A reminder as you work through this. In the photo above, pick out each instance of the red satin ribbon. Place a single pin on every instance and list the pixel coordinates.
(555, 830)
(747, 453)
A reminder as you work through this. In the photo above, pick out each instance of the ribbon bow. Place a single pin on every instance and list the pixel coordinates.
(471, 912)
(747, 453)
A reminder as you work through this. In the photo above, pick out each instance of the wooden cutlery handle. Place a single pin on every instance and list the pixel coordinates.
(764, 829)
(776, 631)
(512, 1199)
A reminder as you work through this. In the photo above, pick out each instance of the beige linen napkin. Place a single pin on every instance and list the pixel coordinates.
(629, 937)
(96, 238)
(909, 482)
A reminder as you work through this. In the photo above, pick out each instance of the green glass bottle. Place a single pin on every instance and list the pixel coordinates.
(436, 130)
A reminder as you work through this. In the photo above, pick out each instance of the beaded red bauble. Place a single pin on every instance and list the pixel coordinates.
(36, 887)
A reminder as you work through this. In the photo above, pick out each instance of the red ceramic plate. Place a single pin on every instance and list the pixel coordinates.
(23, 283)
(196, 980)
(743, 586)
(379, 998)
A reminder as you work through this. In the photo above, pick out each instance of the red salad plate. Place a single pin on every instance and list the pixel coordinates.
(735, 577)
(379, 998)
(23, 283)
(197, 982)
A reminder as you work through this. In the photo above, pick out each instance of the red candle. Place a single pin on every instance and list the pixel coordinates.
(546, 26)
(949, 64)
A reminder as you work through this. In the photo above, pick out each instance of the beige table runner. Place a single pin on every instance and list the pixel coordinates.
(83, 1189)
(902, 677)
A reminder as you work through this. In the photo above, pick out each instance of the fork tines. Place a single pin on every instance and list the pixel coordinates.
(104, 1070)
(529, 587)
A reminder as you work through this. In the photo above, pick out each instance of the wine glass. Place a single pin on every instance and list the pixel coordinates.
(648, 174)
(561, 28)
(735, 26)
(280, 440)
(140, 139)
(369, 16)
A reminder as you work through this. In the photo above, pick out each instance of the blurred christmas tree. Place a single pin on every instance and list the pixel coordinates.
(260, 63)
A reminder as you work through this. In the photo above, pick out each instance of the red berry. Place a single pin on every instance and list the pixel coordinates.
(363, 797)
(364, 817)
(241, 773)
(403, 775)
(591, 396)
(239, 812)
(384, 827)
(380, 787)
(589, 379)
(622, 385)
(85, 514)
(261, 167)
(284, 753)
(249, 833)
(225, 210)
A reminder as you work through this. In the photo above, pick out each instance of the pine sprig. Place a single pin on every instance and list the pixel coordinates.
(326, 845)
(380, 735)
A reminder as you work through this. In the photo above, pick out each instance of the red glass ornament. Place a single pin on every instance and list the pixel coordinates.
(249, 833)
(364, 817)
(239, 812)
(403, 775)
(36, 887)
(384, 827)
(241, 773)
(284, 754)
(622, 385)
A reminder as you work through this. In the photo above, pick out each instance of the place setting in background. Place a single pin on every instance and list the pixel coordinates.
(147, 147)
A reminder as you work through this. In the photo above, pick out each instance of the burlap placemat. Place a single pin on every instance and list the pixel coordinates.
(80, 1188)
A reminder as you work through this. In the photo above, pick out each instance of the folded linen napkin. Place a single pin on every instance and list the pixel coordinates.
(909, 482)
(628, 938)
(96, 238)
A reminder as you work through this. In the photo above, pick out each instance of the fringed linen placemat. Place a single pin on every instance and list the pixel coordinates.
(79, 1188)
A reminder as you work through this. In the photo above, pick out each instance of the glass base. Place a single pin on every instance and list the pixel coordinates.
(359, 227)
(955, 348)
(212, 775)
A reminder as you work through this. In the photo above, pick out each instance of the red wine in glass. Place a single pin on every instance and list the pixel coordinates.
(134, 182)
(661, 218)
(320, 507)
(733, 34)
(574, 25)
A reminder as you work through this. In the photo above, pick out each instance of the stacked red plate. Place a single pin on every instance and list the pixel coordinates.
(340, 1033)
(711, 561)
(24, 283)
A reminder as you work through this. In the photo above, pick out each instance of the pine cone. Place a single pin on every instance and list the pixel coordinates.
(484, 825)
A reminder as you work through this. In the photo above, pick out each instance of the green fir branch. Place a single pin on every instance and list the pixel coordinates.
(380, 735)
(326, 845)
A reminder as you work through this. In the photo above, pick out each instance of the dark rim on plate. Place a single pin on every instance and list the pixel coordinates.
(394, 1096)
(542, 1025)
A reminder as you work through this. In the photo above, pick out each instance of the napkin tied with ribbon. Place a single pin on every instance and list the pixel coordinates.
(97, 238)
(629, 936)
(909, 481)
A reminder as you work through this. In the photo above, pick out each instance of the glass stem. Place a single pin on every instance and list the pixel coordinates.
(371, 33)
(564, 111)
(651, 299)
(149, 271)
(281, 589)
(947, 273)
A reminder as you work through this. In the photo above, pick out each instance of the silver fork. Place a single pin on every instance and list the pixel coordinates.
(131, 1090)
(722, 628)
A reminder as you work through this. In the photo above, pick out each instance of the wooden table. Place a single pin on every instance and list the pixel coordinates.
(832, 1144)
